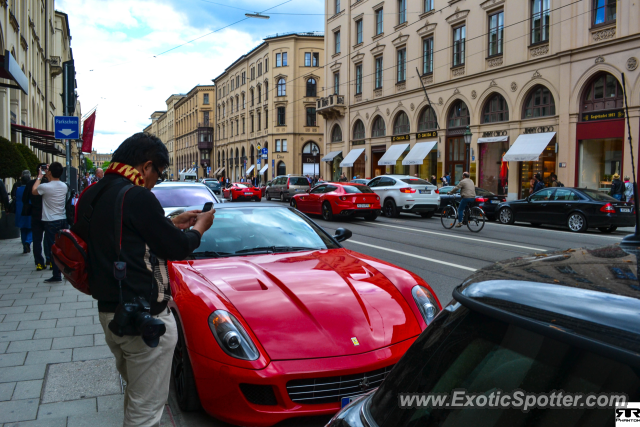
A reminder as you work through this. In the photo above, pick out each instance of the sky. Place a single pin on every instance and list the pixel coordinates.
(127, 66)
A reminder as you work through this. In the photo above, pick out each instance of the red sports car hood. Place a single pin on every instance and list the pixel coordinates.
(314, 304)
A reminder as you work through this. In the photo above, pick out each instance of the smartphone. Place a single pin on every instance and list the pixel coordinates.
(207, 207)
(43, 169)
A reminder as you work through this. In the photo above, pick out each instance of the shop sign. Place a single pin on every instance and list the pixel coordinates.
(361, 142)
(539, 129)
(608, 115)
(562, 164)
(493, 133)
(425, 135)
(400, 138)
(279, 156)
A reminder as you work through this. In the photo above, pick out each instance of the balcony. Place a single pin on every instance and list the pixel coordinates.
(331, 107)
(55, 64)
(205, 136)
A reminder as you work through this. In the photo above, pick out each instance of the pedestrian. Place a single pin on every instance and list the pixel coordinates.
(4, 197)
(415, 175)
(86, 181)
(54, 198)
(628, 190)
(37, 226)
(23, 221)
(434, 181)
(539, 183)
(448, 178)
(99, 174)
(617, 187)
(148, 240)
(343, 177)
(468, 193)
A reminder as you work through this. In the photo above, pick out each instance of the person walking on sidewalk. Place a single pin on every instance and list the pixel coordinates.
(628, 190)
(617, 187)
(23, 222)
(54, 218)
(468, 193)
(37, 226)
(539, 183)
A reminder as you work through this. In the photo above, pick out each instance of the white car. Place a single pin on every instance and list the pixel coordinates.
(404, 193)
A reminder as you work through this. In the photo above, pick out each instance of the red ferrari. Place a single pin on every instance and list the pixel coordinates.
(277, 320)
(339, 199)
(242, 191)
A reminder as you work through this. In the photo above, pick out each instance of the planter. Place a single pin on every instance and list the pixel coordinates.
(8, 229)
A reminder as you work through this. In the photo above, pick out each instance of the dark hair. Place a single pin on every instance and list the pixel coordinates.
(140, 148)
(538, 176)
(56, 169)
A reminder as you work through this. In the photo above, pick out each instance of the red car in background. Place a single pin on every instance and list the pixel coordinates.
(242, 191)
(331, 199)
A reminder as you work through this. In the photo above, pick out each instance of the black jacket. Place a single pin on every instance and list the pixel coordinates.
(617, 187)
(145, 230)
(36, 201)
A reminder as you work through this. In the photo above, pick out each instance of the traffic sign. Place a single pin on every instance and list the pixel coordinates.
(67, 127)
(265, 151)
(258, 161)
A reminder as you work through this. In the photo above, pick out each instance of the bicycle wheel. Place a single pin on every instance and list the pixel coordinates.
(449, 217)
(476, 219)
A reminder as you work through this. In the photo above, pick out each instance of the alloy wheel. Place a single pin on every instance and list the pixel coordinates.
(506, 216)
(576, 222)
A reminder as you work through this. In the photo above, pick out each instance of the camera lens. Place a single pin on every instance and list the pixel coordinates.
(150, 328)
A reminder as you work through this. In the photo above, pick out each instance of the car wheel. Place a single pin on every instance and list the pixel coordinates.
(577, 222)
(184, 382)
(506, 216)
(293, 204)
(427, 214)
(327, 213)
(258, 199)
(371, 217)
(390, 209)
(608, 229)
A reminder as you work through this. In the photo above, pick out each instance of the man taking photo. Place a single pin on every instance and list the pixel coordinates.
(147, 239)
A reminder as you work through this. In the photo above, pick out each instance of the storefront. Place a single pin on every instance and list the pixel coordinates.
(310, 164)
(263, 173)
(354, 157)
(392, 159)
(333, 160)
(455, 149)
(493, 171)
(424, 156)
(377, 152)
(535, 153)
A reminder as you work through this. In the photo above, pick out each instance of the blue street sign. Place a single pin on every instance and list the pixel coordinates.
(67, 127)
(258, 161)
(265, 151)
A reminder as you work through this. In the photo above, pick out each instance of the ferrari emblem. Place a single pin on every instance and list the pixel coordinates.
(354, 340)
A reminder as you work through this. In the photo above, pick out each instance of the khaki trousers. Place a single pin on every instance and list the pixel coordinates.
(146, 370)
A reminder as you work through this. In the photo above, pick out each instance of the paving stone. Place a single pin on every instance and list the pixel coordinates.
(8, 326)
(16, 296)
(80, 380)
(2, 317)
(29, 345)
(6, 303)
(39, 293)
(58, 314)
(6, 391)
(88, 329)
(87, 312)
(22, 373)
(29, 302)
(18, 410)
(75, 305)
(37, 324)
(75, 321)
(46, 422)
(65, 409)
(48, 356)
(16, 335)
(12, 310)
(31, 289)
(114, 402)
(53, 332)
(3, 347)
(65, 299)
(102, 419)
(12, 359)
(98, 339)
(90, 353)
(21, 316)
(43, 307)
(73, 342)
(28, 390)
(84, 297)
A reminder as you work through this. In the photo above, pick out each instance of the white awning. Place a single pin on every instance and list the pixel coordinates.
(250, 169)
(264, 168)
(351, 158)
(528, 147)
(392, 155)
(216, 171)
(220, 171)
(329, 157)
(419, 152)
(493, 139)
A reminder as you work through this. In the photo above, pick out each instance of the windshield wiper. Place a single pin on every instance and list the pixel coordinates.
(293, 248)
(206, 254)
(273, 249)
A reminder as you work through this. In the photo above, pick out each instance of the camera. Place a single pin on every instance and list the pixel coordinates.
(43, 168)
(134, 318)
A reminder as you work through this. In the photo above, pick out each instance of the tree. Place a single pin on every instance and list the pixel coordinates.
(11, 161)
(89, 164)
(31, 159)
(105, 165)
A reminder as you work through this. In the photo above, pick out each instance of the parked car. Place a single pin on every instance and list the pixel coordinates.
(285, 186)
(485, 199)
(576, 208)
(560, 321)
(242, 191)
(213, 184)
(404, 193)
(339, 199)
(175, 195)
(274, 315)
(360, 181)
(446, 189)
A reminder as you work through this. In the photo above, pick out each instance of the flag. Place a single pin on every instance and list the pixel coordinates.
(87, 133)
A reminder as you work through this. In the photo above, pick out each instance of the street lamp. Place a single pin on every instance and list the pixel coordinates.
(314, 151)
(467, 141)
(256, 15)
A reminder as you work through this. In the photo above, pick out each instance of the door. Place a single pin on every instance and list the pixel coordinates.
(456, 156)
(312, 201)
(564, 201)
(538, 208)
(383, 186)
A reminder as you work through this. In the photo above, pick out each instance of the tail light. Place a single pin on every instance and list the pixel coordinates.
(608, 208)
(287, 183)
(437, 191)
(343, 198)
(481, 200)
(503, 200)
(407, 190)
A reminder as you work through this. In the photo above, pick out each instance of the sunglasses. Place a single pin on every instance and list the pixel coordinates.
(160, 174)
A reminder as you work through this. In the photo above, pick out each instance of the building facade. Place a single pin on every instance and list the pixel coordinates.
(194, 130)
(98, 159)
(162, 126)
(538, 84)
(267, 100)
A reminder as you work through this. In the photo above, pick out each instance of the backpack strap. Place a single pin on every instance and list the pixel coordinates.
(119, 208)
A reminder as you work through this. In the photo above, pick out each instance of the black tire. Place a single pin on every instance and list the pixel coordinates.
(371, 217)
(577, 222)
(282, 199)
(476, 219)
(293, 203)
(258, 199)
(184, 382)
(327, 213)
(448, 217)
(505, 216)
(267, 196)
(427, 214)
(608, 230)
(390, 209)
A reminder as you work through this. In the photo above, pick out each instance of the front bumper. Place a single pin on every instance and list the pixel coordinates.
(220, 394)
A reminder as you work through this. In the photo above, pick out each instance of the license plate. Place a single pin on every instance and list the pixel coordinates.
(425, 191)
(248, 194)
(364, 206)
(494, 201)
(625, 210)
(346, 400)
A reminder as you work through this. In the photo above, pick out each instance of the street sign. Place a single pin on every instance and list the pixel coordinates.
(265, 151)
(67, 127)
(258, 161)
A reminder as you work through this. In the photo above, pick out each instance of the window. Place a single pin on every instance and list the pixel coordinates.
(237, 81)
(316, 59)
(337, 41)
(278, 146)
(284, 59)
(206, 98)
(206, 118)
(253, 73)
(540, 19)
(495, 110)
(336, 83)
(311, 116)
(379, 21)
(281, 116)
(266, 119)
(458, 115)
(358, 79)
(259, 94)
(282, 168)
(459, 35)
(379, 128)
(402, 11)
(259, 69)
(237, 103)
(539, 103)
(278, 60)
(337, 6)
(496, 33)
(284, 145)
(244, 78)
(336, 134)
(402, 65)
(231, 110)
(266, 65)
(243, 125)
(359, 31)
(401, 126)
(251, 123)
(358, 130)
(427, 56)
(428, 5)
(259, 121)
(282, 87)
(252, 97)
(379, 70)
(427, 120)
(542, 195)
(602, 93)
(604, 11)
(244, 102)
(311, 87)
(232, 82)
(307, 59)
(237, 127)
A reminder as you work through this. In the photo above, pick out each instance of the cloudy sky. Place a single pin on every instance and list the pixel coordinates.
(119, 50)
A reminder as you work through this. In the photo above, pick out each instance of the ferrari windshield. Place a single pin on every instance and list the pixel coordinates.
(245, 231)
(171, 196)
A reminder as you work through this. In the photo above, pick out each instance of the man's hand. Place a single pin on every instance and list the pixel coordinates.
(204, 220)
(186, 219)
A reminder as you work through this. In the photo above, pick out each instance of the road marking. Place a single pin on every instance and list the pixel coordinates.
(465, 238)
(414, 256)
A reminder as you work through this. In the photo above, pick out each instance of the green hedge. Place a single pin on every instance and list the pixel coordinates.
(11, 161)
(31, 159)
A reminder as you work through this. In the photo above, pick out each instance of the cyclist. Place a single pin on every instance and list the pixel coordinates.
(468, 192)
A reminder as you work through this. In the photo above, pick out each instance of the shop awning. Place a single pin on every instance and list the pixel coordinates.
(250, 169)
(419, 152)
(43, 140)
(10, 70)
(216, 171)
(493, 139)
(264, 168)
(392, 155)
(528, 147)
(351, 158)
(329, 157)
(219, 172)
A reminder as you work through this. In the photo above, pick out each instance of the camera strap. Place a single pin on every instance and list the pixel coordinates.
(120, 267)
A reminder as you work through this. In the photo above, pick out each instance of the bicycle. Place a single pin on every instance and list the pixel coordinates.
(474, 217)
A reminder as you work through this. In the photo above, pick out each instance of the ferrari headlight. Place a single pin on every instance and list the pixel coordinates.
(231, 336)
(426, 303)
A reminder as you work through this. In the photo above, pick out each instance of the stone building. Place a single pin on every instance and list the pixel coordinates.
(537, 84)
(98, 158)
(162, 126)
(267, 100)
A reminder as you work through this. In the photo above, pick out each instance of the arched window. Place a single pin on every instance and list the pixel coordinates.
(282, 87)
(358, 130)
(244, 102)
(427, 120)
(231, 110)
(252, 99)
(308, 148)
(539, 103)
(401, 125)
(495, 110)
(259, 94)
(311, 87)
(266, 91)
(379, 128)
(458, 115)
(603, 92)
(237, 103)
(282, 169)
(336, 134)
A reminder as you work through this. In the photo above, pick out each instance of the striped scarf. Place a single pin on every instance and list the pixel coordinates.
(127, 171)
